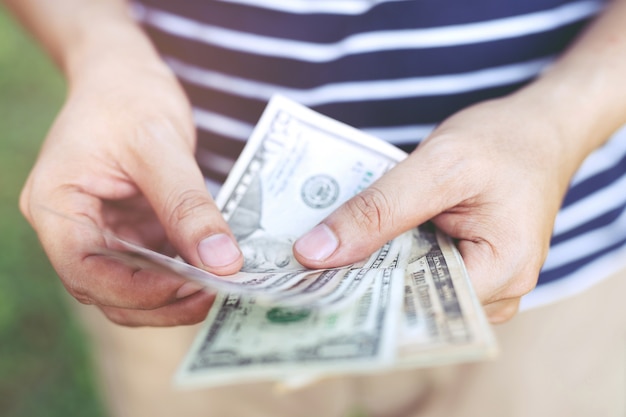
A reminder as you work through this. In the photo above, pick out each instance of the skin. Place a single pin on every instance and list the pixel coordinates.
(120, 156)
(493, 175)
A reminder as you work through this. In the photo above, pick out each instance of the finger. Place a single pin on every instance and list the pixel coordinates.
(502, 310)
(499, 270)
(166, 171)
(190, 310)
(498, 280)
(393, 204)
(106, 281)
(71, 237)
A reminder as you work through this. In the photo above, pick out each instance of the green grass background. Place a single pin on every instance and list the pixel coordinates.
(45, 369)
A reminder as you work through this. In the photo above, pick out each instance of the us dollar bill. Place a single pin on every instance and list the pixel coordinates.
(442, 320)
(297, 167)
(244, 341)
(409, 304)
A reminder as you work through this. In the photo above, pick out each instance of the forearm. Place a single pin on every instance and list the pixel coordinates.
(584, 91)
(83, 35)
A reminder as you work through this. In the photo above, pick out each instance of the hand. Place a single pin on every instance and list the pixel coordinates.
(492, 176)
(120, 156)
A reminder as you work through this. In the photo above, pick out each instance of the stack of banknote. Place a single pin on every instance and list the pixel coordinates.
(410, 304)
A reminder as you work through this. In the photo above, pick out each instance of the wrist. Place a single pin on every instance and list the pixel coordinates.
(109, 46)
(583, 91)
(579, 110)
(575, 118)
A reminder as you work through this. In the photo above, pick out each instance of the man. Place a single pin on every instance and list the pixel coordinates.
(494, 172)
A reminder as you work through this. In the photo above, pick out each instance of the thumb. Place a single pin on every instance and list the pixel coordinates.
(170, 178)
(392, 205)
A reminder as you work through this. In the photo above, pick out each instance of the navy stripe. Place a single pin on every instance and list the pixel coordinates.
(368, 66)
(235, 107)
(563, 271)
(408, 148)
(329, 28)
(595, 223)
(219, 145)
(212, 175)
(326, 28)
(596, 182)
(361, 114)
(408, 111)
(230, 148)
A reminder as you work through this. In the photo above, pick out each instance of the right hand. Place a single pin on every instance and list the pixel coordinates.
(120, 156)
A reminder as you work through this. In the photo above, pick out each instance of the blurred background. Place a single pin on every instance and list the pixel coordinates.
(45, 367)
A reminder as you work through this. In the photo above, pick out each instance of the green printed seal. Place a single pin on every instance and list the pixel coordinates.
(287, 315)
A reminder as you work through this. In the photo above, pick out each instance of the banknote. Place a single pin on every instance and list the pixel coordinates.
(442, 320)
(435, 320)
(409, 304)
(297, 167)
(284, 183)
(244, 341)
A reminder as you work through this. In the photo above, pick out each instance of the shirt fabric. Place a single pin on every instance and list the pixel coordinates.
(395, 69)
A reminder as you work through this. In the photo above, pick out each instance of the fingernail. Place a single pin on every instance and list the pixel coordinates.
(188, 288)
(218, 250)
(318, 244)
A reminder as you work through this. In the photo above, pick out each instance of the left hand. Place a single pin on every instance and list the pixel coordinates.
(492, 176)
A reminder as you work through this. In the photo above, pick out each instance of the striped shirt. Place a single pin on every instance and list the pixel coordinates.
(395, 69)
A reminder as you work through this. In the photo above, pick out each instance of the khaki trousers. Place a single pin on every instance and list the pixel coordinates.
(565, 359)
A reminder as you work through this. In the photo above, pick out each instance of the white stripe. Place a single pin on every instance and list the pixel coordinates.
(240, 131)
(400, 135)
(363, 90)
(347, 7)
(212, 186)
(593, 205)
(222, 125)
(214, 162)
(369, 41)
(602, 158)
(581, 280)
(586, 244)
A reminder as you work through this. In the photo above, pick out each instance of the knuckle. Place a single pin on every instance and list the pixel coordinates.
(77, 290)
(522, 284)
(502, 311)
(119, 317)
(146, 291)
(526, 285)
(188, 204)
(83, 299)
(200, 314)
(194, 317)
(370, 209)
(195, 310)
